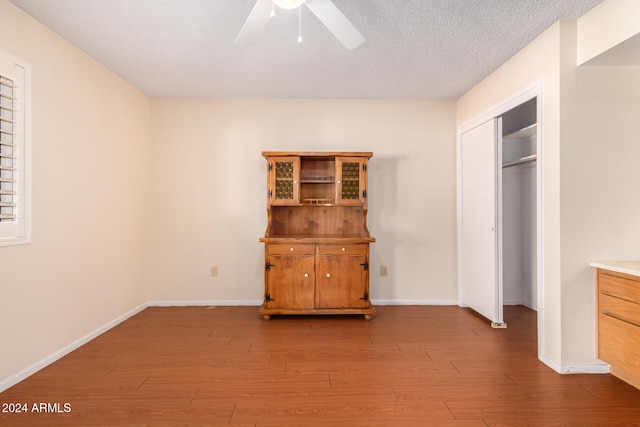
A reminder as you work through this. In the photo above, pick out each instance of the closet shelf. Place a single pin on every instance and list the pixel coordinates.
(525, 159)
(522, 133)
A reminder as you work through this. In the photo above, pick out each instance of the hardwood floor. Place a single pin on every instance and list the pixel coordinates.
(409, 366)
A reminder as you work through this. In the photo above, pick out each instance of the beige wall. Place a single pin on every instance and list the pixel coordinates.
(208, 200)
(606, 28)
(93, 259)
(539, 61)
(87, 263)
(134, 199)
(600, 188)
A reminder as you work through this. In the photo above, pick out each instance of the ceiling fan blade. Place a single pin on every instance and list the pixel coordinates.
(255, 23)
(329, 14)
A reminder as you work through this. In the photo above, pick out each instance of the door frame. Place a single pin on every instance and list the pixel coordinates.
(533, 90)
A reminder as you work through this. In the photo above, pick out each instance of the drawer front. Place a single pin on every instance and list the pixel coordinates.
(619, 345)
(620, 309)
(619, 287)
(291, 249)
(352, 249)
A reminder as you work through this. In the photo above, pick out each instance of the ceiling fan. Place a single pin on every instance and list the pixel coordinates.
(324, 10)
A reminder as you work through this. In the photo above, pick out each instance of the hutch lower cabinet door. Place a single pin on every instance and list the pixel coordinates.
(342, 276)
(290, 281)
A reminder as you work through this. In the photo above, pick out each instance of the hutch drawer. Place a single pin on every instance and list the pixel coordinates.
(353, 249)
(291, 249)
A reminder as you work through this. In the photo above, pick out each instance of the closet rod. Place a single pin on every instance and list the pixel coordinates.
(526, 159)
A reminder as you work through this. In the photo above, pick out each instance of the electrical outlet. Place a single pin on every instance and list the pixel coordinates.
(214, 271)
(384, 270)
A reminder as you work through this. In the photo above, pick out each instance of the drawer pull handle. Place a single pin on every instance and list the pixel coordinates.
(291, 249)
(306, 274)
(344, 249)
(328, 274)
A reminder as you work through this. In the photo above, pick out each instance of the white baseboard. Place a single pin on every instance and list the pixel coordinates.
(413, 302)
(257, 303)
(19, 376)
(596, 368)
(206, 303)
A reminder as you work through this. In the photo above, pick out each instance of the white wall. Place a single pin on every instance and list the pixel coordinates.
(87, 263)
(208, 193)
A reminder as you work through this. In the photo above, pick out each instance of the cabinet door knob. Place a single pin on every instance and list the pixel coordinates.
(306, 274)
(344, 249)
(328, 274)
(291, 249)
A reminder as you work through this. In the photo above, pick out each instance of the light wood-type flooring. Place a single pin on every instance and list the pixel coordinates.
(409, 366)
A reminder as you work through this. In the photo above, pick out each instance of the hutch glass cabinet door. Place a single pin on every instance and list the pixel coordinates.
(351, 180)
(284, 180)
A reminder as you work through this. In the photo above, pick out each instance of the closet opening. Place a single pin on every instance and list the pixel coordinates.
(500, 250)
(519, 206)
(499, 212)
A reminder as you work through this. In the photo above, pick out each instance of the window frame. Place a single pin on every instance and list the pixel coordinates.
(18, 231)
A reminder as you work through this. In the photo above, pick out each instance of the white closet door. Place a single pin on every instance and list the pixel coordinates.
(481, 284)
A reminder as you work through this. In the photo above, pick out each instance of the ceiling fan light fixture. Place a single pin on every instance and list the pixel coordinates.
(324, 10)
(288, 4)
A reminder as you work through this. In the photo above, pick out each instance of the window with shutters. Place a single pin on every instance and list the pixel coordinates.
(15, 210)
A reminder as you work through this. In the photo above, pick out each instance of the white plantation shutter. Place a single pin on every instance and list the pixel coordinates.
(7, 150)
(14, 150)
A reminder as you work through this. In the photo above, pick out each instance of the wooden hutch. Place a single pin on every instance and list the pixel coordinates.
(316, 243)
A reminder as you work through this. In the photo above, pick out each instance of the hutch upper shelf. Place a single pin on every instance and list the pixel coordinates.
(299, 178)
(317, 196)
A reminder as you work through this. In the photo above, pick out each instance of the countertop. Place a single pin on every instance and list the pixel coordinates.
(627, 267)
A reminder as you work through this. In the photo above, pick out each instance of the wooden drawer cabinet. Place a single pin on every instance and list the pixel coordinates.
(317, 241)
(618, 324)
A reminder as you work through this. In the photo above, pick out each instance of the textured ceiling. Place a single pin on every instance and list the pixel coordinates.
(413, 48)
